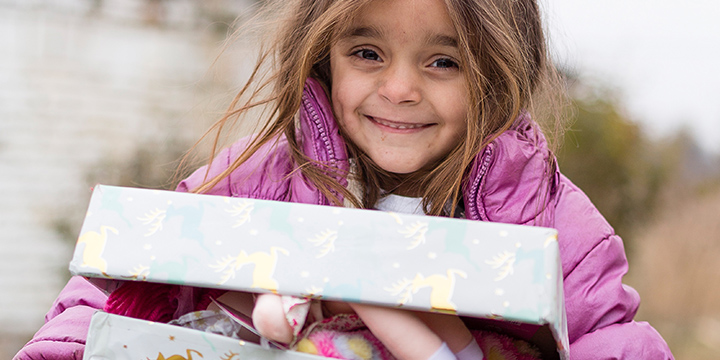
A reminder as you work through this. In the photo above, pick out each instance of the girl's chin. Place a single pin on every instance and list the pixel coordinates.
(406, 168)
(400, 169)
(403, 161)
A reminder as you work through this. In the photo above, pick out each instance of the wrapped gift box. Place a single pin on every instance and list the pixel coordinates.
(504, 276)
(119, 337)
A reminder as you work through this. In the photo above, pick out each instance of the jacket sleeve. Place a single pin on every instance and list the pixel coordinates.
(66, 324)
(219, 164)
(600, 308)
(631, 340)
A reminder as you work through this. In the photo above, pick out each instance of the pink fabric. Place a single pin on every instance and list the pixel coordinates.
(156, 302)
(65, 330)
(142, 300)
(334, 337)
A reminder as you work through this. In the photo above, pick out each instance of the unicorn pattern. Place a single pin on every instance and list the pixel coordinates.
(94, 246)
(441, 287)
(264, 262)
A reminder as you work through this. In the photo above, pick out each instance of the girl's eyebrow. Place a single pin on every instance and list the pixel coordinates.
(362, 31)
(443, 40)
(372, 32)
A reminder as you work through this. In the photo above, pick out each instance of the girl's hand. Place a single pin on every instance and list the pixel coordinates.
(269, 318)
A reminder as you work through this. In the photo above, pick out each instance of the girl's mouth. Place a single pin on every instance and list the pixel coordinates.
(396, 125)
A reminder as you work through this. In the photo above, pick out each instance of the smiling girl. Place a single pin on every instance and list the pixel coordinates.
(399, 96)
(419, 106)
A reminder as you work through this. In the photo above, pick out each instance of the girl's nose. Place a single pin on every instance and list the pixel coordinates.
(400, 86)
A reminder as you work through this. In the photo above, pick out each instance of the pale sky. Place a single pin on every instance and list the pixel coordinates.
(662, 55)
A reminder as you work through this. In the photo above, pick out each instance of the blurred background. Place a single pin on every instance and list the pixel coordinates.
(115, 91)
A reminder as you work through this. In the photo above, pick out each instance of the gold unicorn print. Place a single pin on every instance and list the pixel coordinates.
(442, 287)
(264, 262)
(94, 246)
(154, 219)
(188, 352)
(397, 218)
(550, 240)
(313, 292)
(230, 356)
(326, 239)
(242, 209)
(140, 272)
(505, 262)
(416, 231)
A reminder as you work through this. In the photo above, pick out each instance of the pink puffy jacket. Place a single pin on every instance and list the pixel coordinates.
(514, 180)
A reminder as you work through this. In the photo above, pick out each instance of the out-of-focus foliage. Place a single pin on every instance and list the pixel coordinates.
(676, 272)
(607, 156)
(626, 174)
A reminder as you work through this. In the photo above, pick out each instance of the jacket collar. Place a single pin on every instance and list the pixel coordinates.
(319, 134)
(514, 178)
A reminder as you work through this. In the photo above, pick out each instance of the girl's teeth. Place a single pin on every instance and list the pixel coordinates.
(397, 126)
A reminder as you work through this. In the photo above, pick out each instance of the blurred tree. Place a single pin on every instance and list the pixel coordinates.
(607, 156)
(693, 171)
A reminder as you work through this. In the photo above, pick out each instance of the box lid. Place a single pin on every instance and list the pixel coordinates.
(118, 337)
(471, 268)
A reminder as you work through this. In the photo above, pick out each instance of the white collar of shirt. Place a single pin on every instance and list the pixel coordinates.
(401, 204)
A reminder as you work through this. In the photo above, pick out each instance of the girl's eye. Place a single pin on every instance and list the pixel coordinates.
(367, 54)
(444, 63)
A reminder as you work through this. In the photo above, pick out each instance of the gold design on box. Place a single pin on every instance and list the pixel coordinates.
(504, 262)
(94, 246)
(189, 353)
(441, 287)
(231, 355)
(552, 238)
(140, 272)
(326, 240)
(154, 219)
(397, 218)
(264, 262)
(415, 231)
(242, 209)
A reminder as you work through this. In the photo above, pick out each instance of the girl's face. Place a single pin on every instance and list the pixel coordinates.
(397, 90)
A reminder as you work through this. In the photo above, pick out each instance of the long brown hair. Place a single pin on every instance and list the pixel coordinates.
(504, 59)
